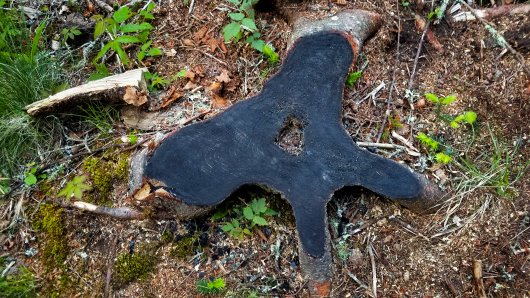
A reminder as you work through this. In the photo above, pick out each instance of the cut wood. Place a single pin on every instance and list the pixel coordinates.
(128, 87)
(493, 12)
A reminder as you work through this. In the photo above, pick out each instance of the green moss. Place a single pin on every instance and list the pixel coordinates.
(133, 267)
(55, 248)
(104, 173)
(121, 169)
(186, 246)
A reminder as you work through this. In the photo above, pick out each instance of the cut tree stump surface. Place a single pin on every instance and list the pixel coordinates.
(202, 164)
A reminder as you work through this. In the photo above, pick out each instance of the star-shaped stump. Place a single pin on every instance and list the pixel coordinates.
(202, 164)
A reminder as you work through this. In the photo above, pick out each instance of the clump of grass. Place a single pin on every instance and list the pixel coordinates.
(28, 75)
(20, 284)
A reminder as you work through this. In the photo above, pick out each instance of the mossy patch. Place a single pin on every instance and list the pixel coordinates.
(55, 248)
(186, 246)
(131, 267)
(104, 172)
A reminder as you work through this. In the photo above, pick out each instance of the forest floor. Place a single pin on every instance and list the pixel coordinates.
(486, 220)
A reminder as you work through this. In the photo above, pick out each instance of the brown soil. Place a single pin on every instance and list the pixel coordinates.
(415, 255)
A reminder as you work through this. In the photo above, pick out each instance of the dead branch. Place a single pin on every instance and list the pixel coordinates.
(374, 272)
(128, 87)
(126, 213)
(493, 12)
(411, 79)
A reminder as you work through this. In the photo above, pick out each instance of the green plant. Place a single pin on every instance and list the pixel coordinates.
(69, 33)
(468, 117)
(124, 28)
(75, 188)
(20, 284)
(435, 14)
(100, 116)
(28, 74)
(247, 218)
(31, 176)
(498, 169)
(155, 81)
(213, 286)
(353, 77)
(439, 103)
(441, 153)
(242, 23)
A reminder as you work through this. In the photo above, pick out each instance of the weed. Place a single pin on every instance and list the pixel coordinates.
(20, 284)
(69, 33)
(242, 23)
(124, 28)
(247, 218)
(155, 81)
(353, 78)
(75, 188)
(30, 175)
(100, 116)
(208, 287)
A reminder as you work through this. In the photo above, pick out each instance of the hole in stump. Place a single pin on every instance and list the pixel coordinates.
(291, 136)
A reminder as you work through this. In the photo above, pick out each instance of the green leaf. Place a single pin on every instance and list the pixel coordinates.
(247, 231)
(218, 283)
(100, 28)
(154, 52)
(443, 158)
(30, 179)
(135, 27)
(247, 212)
(470, 117)
(231, 30)
(427, 141)
(448, 99)
(432, 97)
(272, 56)
(150, 7)
(236, 16)
(227, 227)
(258, 45)
(121, 53)
(122, 14)
(127, 39)
(235, 222)
(146, 45)
(270, 212)
(249, 24)
(353, 78)
(36, 38)
(75, 31)
(259, 206)
(260, 221)
(104, 50)
(236, 2)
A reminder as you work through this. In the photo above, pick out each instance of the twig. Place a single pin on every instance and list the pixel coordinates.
(500, 39)
(393, 83)
(493, 12)
(125, 213)
(192, 4)
(362, 284)
(477, 275)
(411, 79)
(208, 55)
(366, 225)
(374, 272)
(407, 227)
(387, 146)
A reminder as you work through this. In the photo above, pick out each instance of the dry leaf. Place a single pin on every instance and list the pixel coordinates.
(134, 97)
(143, 192)
(190, 85)
(200, 34)
(171, 96)
(215, 87)
(223, 77)
(223, 47)
(189, 74)
(188, 42)
(213, 43)
(219, 102)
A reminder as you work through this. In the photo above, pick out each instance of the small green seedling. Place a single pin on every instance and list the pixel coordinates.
(30, 175)
(155, 81)
(242, 23)
(435, 14)
(247, 218)
(468, 117)
(69, 33)
(435, 148)
(208, 287)
(353, 78)
(75, 188)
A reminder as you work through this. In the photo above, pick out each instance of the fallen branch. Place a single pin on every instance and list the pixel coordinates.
(117, 212)
(128, 87)
(498, 37)
(411, 79)
(374, 272)
(493, 12)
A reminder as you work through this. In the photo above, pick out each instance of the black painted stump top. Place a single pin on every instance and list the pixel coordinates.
(202, 164)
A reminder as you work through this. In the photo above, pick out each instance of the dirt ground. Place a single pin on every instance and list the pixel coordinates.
(413, 255)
